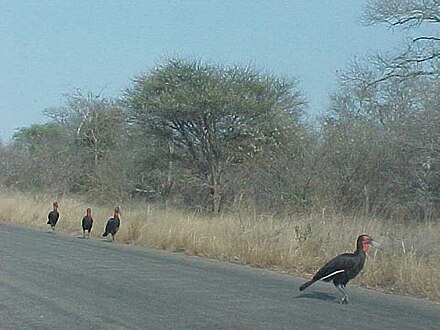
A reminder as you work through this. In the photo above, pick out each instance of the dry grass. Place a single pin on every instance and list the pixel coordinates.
(407, 263)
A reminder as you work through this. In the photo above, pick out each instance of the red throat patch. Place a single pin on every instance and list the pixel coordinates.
(365, 243)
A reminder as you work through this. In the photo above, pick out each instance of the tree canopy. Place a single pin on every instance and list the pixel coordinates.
(214, 116)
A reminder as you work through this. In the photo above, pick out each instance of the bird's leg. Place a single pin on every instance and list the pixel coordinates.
(344, 299)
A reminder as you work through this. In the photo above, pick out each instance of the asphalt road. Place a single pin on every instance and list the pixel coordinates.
(56, 281)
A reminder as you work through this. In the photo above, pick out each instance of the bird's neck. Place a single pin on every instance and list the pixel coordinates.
(360, 251)
(361, 248)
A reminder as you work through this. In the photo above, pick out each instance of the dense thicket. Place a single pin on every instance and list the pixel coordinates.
(199, 136)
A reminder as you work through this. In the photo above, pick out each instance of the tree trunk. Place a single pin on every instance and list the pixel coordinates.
(216, 194)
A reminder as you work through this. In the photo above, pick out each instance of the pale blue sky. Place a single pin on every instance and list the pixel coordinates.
(47, 48)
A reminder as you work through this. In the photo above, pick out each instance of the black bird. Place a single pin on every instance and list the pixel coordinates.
(113, 224)
(53, 216)
(87, 222)
(344, 267)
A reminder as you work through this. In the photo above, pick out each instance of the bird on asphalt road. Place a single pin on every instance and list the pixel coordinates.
(113, 224)
(87, 223)
(344, 267)
(53, 216)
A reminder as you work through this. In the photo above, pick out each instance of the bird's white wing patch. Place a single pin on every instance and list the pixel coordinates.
(334, 273)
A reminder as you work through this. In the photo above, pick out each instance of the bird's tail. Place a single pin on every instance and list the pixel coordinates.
(105, 234)
(306, 285)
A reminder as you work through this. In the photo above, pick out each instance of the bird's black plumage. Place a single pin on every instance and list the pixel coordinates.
(87, 222)
(113, 224)
(344, 267)
(53, 216)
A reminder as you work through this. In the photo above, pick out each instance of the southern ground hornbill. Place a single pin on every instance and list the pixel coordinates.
(113, 224)
(53, 216)
(87, 223)
(344, 267)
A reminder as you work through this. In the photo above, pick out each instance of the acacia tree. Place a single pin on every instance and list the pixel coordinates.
(213, 116)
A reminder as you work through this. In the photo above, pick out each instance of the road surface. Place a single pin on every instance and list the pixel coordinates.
(56, 281)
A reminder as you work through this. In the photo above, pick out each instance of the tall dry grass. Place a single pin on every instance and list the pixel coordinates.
(407, 263)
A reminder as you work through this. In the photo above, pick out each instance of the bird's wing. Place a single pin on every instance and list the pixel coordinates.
(111, 224)
(339, 264)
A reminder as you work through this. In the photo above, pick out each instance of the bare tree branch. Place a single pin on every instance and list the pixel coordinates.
(426, 38)
(405, 13)
(422, 55)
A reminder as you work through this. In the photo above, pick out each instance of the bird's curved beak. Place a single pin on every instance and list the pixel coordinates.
(373, 243)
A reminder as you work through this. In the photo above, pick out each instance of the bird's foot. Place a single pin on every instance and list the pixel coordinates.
(344, 301)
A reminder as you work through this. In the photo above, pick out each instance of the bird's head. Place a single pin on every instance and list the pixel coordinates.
(117, 211)
(55, 205)
(89, 212)
(364, 241)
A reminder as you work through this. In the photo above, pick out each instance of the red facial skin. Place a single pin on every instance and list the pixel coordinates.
(365, 243)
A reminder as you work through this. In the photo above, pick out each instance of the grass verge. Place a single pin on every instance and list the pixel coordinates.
(408, 262)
